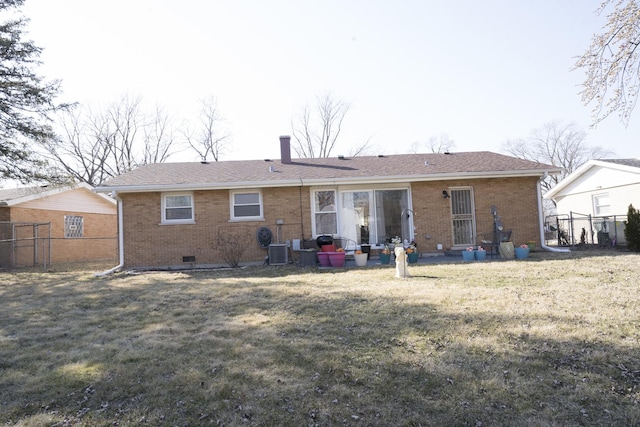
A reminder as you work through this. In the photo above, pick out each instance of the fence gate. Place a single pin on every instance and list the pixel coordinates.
(25, 244)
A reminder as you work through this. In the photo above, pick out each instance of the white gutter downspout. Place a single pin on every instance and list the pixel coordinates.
(541, 221)
(120, 243)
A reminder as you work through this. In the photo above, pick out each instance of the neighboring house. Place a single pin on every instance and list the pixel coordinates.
(174, 213)
(598, 188)
(44, 225)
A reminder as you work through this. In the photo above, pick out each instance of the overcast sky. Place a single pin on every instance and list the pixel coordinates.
(480, 72)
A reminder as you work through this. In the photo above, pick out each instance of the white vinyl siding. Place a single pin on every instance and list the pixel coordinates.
(76, 200)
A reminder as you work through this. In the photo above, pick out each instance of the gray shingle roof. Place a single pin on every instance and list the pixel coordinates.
(625, 162)
(17, 193)
(227, 174)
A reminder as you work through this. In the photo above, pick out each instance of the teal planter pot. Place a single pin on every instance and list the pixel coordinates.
(385, 258)
(522, 253)
(480, 255)
(468, 255)
(412, 258)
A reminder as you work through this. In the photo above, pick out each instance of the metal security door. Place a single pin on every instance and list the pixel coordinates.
(462, 217)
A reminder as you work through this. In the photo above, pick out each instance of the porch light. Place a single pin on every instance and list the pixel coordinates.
(445, 194)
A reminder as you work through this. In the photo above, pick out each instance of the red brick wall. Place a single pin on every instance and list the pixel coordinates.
(150, 244)
(515, 199)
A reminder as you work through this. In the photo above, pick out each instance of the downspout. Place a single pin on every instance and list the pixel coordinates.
(541, 220)
(120, 243)
(301, 211)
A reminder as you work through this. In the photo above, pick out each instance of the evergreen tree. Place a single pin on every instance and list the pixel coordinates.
(25, 101)
(632, 229)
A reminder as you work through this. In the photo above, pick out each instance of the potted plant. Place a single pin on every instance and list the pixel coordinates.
(323, 259)
(522, 251)
(336, 259)
(360, 258)
(385, 255)
(531, 244)
(412, 253)
(480, 254)
(469, 254)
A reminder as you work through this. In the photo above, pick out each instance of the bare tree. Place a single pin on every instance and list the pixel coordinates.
(96, 145)
(209, 138)
(441, 144)
(78, 151)
(316, 130)
(363, 149)
(556, 144)
(159, 138)
(123, 122)
(612, 62)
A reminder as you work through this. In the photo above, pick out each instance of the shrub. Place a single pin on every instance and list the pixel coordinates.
(232, 246)
(632, 229)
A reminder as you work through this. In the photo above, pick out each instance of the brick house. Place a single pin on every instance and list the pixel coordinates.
(175, 213)
(48, 225)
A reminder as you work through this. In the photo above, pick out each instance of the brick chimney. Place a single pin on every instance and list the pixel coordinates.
(285, 149)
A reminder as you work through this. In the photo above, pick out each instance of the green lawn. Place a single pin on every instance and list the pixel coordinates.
(552, 340)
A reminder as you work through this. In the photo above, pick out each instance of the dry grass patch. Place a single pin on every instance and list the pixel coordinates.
(548, 341)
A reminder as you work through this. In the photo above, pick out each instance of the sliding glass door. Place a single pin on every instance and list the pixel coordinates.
(374, 216)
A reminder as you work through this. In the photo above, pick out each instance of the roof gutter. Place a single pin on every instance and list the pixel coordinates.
(120, 242)
(318, 181)
(541, 220)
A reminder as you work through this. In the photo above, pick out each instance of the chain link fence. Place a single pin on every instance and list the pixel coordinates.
(25, 244)
(576, 229)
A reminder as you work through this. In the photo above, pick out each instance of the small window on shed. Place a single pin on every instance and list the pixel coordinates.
(73, 226)
(601, 205)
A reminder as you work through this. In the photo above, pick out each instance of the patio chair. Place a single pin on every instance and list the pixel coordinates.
(491, 241)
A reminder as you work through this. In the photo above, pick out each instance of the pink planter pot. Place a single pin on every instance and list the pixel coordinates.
(336, 259)
(323, 259)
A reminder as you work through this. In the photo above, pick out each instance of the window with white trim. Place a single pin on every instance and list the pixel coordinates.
(177, 208)
(246, 205)
(73, 226)
(325, 212)
(601, 204)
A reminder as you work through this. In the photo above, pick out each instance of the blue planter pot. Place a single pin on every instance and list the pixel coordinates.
(481, 255)
(468, 255)
(412, 258)
(522, 253)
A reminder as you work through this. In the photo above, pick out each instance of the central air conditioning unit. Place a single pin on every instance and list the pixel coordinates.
(278, 254)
